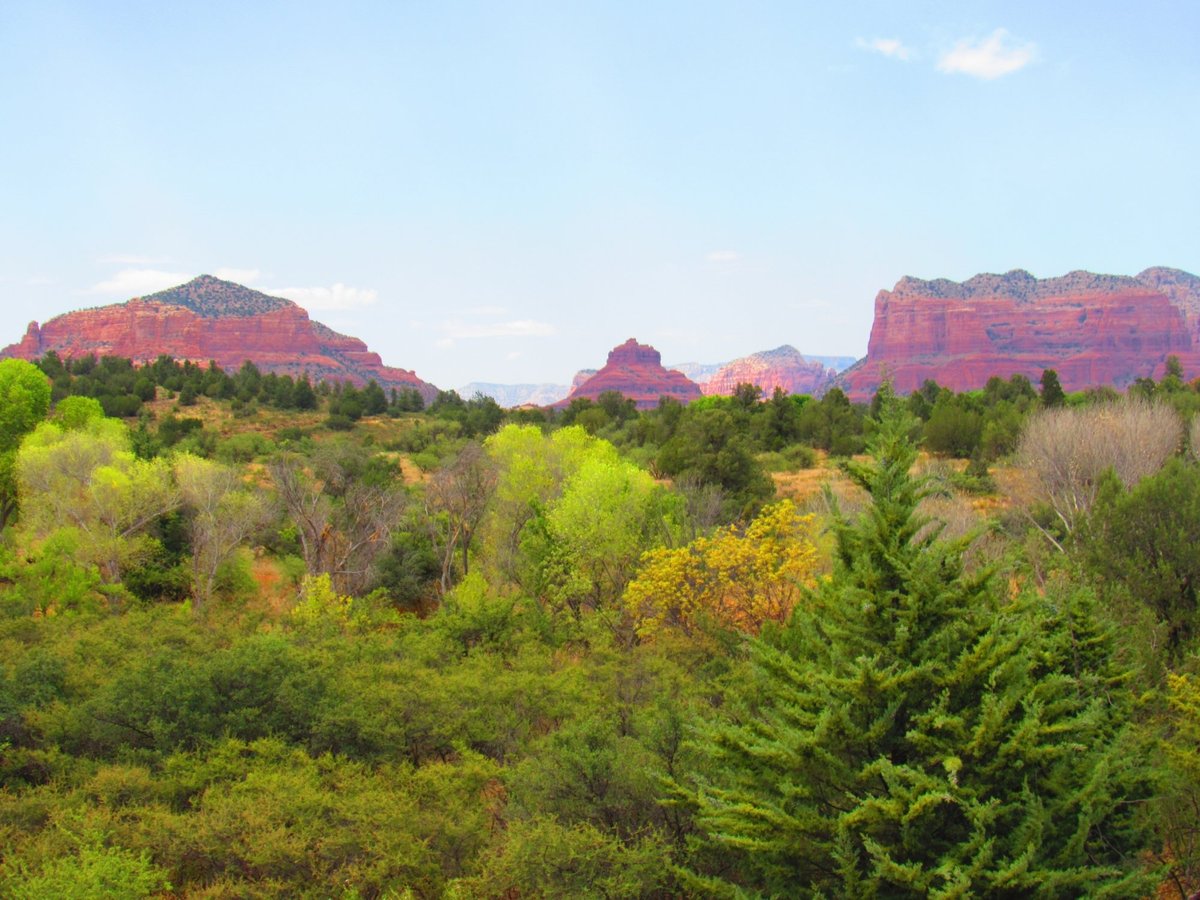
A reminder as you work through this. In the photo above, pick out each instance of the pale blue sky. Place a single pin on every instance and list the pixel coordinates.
(504, 191)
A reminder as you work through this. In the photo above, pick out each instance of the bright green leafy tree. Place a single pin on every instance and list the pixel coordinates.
(24, 400)
(586, 546)
(89, 480)
(95, 871)
(531, 470)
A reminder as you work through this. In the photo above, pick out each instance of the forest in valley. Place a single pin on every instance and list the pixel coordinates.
(262, 637)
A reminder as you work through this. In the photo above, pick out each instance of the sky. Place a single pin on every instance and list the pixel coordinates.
(502, 192)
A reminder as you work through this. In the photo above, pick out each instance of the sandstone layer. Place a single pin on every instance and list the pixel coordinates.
(784, 367)
(636, 371)
(1091, 329)
(209, 319)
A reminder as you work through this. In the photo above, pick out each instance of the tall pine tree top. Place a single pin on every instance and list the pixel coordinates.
(908, 734)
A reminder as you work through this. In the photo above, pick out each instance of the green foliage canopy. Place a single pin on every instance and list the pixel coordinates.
(907, 735)
(89, 480)
(24, 401)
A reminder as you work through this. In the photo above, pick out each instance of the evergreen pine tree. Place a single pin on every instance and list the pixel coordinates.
(909, 734)
(374, 400)
(303, 396)
(1052, 392)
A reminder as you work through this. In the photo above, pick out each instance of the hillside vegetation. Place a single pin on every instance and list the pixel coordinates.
(261, 637)
(213, 298)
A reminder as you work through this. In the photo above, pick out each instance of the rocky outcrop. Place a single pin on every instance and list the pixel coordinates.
(784, 367)
(209, 319)
(636, 371)
(513, 395)
(698, 372)
(1092, 329)
(581, 378)
(837, 363)
(702, 373)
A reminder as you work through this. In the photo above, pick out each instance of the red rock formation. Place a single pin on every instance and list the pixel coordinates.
(581, 378)
(784, 367)
(209, 319)
(636, 371)
(1091, 329)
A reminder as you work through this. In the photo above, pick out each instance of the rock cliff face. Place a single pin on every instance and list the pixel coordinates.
(636, 371)
(698, 372)
(1092, 329)
(784, 367)
(209, 319)
(581, 378)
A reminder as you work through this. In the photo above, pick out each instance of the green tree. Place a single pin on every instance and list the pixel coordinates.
(833, 423)
(1179, 791)
(747, 395)
(906, 735)
(543, 858)
(94, 872)
(483, 416)
(221, 514)
(1141, 544)
(1052, 392)
(710, 447)
(24, 401)
(407, 400)
(618, 407)
(90, 480)
(74, 413)
(345, 506)
(531, 469)
(954, 427)
(586, 546)
(920, 402)
(303, 395)
(777, 424)
(374, 399)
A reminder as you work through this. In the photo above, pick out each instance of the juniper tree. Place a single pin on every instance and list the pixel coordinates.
(908, 733)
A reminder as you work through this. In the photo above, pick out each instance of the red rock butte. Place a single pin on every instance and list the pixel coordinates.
(784, 368)
(1091, 329)
(636, 371)
(210, 319)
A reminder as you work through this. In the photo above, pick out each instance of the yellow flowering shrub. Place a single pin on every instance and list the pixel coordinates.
(739, 577)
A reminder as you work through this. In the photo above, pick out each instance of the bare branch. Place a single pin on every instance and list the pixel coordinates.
(1068, 449)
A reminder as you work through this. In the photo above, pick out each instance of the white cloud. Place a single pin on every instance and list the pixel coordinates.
(486, 311)
(515, 354)
(723, 256)
(139, 282)
(340, 296)
(456, 329)
(989, 58)
(241, 276)
(892, 48)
